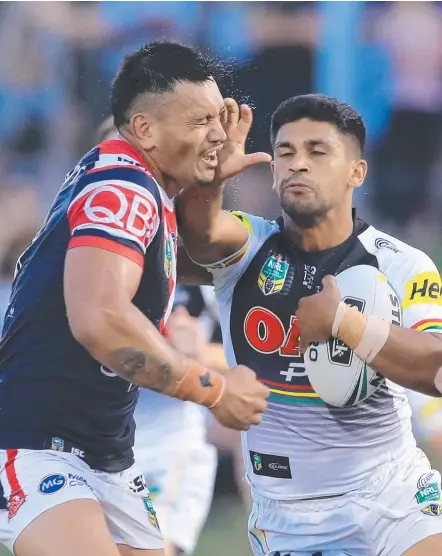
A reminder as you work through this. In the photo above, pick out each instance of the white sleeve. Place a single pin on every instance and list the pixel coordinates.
(230, 269)
(417, 282)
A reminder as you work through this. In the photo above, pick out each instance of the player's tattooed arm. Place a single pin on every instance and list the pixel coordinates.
(99, 287)
(137, 367)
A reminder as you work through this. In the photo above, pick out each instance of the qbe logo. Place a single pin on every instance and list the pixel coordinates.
(52, 484)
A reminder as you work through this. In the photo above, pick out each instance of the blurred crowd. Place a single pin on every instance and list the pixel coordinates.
(58, 58)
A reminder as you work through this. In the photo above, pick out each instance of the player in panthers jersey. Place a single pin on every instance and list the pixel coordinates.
(325, 480)
(90, 299)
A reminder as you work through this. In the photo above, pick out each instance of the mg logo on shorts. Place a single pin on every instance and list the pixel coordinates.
(52, 484)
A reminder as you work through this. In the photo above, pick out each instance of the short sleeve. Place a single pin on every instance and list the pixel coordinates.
(230, 269)
(116, 209)
(418, 284)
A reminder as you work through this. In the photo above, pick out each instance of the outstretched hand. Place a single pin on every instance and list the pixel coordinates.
(232, 158)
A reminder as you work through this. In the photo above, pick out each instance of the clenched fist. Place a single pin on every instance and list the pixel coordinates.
(244, 399)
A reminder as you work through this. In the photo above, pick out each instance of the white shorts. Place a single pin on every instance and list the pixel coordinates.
(181, 480)
(37, 480)
(399, 507)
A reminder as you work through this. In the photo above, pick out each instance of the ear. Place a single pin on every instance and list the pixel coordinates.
(359, 171)
(272, 168)
(142, 126)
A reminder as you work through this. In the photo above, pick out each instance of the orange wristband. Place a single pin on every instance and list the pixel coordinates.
(200, 385)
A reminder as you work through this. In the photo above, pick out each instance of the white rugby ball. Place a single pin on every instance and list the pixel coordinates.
(336, 374)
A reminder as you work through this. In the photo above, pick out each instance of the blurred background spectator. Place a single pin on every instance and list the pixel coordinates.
(57, 60)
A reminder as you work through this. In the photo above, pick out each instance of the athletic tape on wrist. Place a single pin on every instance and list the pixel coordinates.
(339, 315)
(374, 338)
(366, 335)
(200, 385)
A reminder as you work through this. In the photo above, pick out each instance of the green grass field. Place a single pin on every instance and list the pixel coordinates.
(226, 530)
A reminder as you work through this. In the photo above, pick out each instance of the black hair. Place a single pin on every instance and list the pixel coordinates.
(156, 68)
(320, 108)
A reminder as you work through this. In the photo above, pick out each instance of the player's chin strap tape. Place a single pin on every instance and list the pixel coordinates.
(200, 385)
(364, 334)
(438, 380)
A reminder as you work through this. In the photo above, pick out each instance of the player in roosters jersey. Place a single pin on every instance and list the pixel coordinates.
(326, 481)
(90, 299)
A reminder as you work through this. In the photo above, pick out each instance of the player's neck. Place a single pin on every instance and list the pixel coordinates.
(171, 188)
(330, 232)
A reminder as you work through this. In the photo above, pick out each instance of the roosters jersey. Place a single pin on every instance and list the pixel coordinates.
(53, 394)
(161, 419)
(305, 448)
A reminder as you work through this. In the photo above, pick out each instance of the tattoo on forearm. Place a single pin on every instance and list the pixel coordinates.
(135, 366)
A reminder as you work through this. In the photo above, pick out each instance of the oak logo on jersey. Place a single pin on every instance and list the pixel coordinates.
(266, 334)
(273, 274)
(338, 352)
(425, 288)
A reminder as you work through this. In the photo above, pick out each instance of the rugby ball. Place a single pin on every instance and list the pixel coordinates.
(336, 374)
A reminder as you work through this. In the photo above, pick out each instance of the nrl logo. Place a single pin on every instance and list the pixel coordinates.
(273, 274)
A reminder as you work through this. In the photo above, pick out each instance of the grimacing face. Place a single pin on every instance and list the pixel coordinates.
(188, 133)
(315, 167)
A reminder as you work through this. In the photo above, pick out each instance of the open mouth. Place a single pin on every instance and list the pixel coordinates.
(211, 158)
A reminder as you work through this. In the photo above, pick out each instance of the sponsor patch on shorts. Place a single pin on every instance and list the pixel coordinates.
(429, 493)
(52, 483)
(151, 513)
(15, 501)
(269, 465)
(77, 480)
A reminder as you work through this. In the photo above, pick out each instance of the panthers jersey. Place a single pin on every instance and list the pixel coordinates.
(305, 448)
(53, 394)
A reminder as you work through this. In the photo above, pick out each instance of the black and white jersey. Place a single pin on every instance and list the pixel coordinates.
(258, 290)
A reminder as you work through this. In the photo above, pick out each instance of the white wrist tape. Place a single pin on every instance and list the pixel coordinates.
(364, 334)
(375, 336)
(339, 317)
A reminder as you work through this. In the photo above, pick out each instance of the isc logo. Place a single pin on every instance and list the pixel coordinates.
(52, 483)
